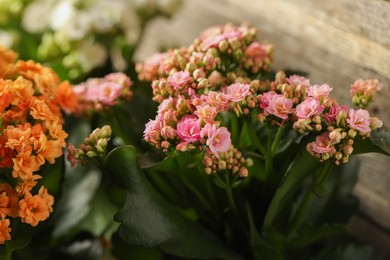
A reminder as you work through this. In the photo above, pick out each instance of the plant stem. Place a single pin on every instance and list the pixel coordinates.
(229, 193)
(198, 194)
(276, 140)
(297, 219)
(257, 142)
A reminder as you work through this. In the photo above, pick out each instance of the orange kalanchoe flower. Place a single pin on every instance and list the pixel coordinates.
(36, 208)
(32, 99)
(4, 231)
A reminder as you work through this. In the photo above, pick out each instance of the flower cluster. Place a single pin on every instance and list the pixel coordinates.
(31, 100)
(223, 70)
(196, 84)
(81, 34)
(94, 147)
(363, 92)
(98, 93)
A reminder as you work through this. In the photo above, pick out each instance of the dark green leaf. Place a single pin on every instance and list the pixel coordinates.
(379, 142)
(348, 252)
(309, 234)
(149, 220)
(302, 165)
(80, 188)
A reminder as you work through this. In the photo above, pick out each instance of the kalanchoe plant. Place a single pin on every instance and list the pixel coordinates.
(249, 156)
(32, 137)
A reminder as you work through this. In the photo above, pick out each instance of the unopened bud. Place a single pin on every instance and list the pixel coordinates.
(243, 172)
(207, 161)
(352, 133)
(348, 150)
(222, 165)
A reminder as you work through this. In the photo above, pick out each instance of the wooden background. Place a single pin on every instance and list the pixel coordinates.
(336, 42)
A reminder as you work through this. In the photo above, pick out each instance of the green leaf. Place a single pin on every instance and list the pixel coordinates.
(80, 188)
(348, 252)
(100, 216)
(148, 219)
(379, 142)
(302, 165)
(309, 234)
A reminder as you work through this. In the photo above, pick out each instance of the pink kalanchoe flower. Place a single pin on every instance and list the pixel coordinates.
(237, 92)
(296, 80)
(308, 108)
(188, 129)
(152, 130)
(365, 87)
(359, 120)
(212, 42)
(218, 100)
(334, 110)
(206, 113)
(219, 141)
(208, 130)
(119, 78)
(265, 100)
(321, 145)
(104, 92)
(179, 79)
(280, 106)
(319, 91)
(257, 52)
(165, 105)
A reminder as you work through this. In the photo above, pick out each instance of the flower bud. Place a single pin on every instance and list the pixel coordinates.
(243, 172)
(207, 161)
(375, 123)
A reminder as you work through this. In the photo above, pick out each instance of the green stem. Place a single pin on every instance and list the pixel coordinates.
(276, 140)
(296, 221)
(198, 194)
(229, 193)
(256, 141)
(298, 217)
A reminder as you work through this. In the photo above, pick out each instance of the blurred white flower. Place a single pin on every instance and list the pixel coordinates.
(92, 56)
(6, 39)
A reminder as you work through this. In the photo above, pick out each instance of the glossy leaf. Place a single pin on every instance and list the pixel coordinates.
(148, 219)
(379, 142)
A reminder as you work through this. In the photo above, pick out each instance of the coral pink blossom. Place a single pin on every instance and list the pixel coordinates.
(218, 100)
(308, 108)
(365, 87)
(296, 80)
(179, 79)
(321, 145)
(206, 113)
(104, 92)
(333, 112)
(188, 129)
(257, 52)
(237, 92)
(219, 141)
(119, 78)
(359, 120)
(280, 106)
(212, 42)
(319, 91)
